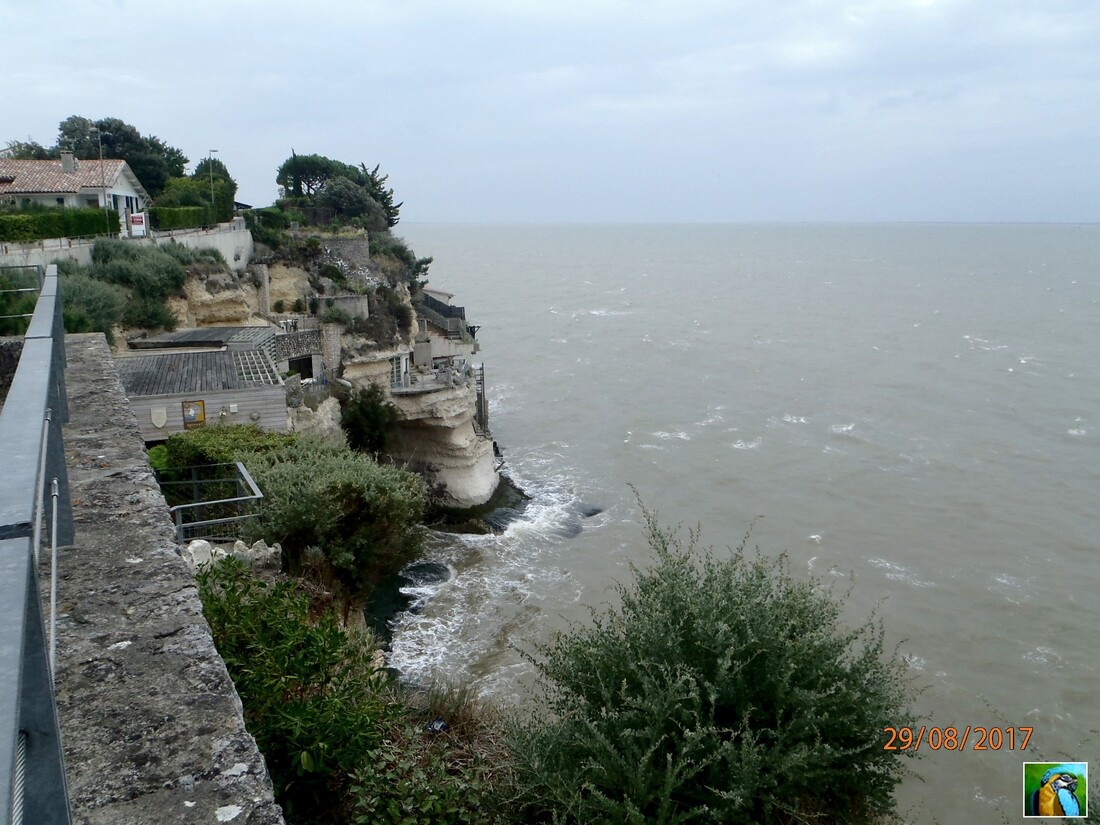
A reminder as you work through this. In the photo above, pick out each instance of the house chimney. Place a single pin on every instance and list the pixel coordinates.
(68, 163)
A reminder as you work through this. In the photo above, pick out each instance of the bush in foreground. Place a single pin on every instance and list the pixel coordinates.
(343, 743)
(311, 695)
(721, 690)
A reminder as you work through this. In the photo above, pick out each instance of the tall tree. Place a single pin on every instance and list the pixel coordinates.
(27, 150)
(304, 175)
(214, 171)
(150, 158)
(376, 186)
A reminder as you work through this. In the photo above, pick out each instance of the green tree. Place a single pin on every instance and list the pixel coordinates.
(27, 150)
(225, 196)
(304, 175)
(151, 159)
(349, 200)
(367, 418)
(376, 185)
(720, 690)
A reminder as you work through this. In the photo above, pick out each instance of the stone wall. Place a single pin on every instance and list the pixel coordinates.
(152, 725)
(297, 344)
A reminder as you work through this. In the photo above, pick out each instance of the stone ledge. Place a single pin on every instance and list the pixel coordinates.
(152, 726)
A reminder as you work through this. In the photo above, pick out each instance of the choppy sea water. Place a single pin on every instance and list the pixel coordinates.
(910, 411)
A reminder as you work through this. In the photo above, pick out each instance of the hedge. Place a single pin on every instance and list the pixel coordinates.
(180, 217)
(56, 223)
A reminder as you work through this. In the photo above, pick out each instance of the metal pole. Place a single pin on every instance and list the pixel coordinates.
(54, 492)
(210, 169)
(41, 482)
(103, 183)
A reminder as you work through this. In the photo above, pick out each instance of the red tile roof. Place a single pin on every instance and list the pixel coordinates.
(31, 177)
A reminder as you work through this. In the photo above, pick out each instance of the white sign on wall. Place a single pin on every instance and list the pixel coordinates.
(137, 225)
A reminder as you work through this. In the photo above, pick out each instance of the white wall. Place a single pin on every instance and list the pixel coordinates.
(233, 240)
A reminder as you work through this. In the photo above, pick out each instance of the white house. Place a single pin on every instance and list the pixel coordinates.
(73, 183)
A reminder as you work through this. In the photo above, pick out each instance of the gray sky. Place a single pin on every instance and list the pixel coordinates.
(601, 110)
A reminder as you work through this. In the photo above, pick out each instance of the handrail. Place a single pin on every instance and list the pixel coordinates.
(32, 770)
(243, 479)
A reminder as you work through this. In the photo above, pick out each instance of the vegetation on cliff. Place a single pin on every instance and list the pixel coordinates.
(343, 742)
(127, 284)
(343, 519)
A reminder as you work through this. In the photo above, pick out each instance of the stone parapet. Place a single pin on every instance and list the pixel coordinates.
(152, 726)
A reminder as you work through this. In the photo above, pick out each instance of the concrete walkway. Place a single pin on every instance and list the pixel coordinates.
(151, 723)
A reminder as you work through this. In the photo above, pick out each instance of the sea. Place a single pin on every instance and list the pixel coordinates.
(908, 413)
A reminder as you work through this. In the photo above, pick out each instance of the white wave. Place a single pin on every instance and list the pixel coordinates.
(794, 419)
(667, 436)
(1077, 432)
(609, 313)
(897, 572)
(842, 429)
(746, 445)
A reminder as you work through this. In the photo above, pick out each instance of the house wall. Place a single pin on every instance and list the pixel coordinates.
(265, 406)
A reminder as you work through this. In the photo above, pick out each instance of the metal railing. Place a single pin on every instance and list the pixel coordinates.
(32, 770)
(214, 501)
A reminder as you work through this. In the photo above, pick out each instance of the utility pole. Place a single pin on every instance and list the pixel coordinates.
(103, 182)
(210, 169)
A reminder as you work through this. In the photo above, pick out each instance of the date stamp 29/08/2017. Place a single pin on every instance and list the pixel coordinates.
(975, 737)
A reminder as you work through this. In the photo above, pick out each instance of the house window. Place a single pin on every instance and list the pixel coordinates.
(92, 203)
(114, 202)
(60, 201)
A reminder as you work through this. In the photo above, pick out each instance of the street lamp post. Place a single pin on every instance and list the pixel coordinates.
(103, 182)
(210, 169)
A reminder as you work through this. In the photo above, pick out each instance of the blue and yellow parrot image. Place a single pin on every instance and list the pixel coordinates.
(1056, 795)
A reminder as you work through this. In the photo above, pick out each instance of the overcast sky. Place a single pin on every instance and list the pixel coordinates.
(599, 110)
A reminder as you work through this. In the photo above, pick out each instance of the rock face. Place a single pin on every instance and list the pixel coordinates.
(436, 438)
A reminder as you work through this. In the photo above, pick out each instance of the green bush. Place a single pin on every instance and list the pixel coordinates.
(222, 444)
(180, 217)
(335, 315)
(415, 779)
(149, 271)
(50, 222)
(279, 306)
(89, 305)
(148, 313)
(316, 705)
(349, 518)
(721, 690)
(367, 418)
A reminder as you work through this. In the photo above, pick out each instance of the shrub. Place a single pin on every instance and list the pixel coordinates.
(148, 313)
(352, 519)
(180, 217)
(312, 698)
(222, 444)
(721, 690)
(39, 222)
(335, 315)
(90, 305)
(279, 306)
(414, 778)
(367, 418)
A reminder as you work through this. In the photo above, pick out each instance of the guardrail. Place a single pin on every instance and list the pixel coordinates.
(32, 770)
(210, 502)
